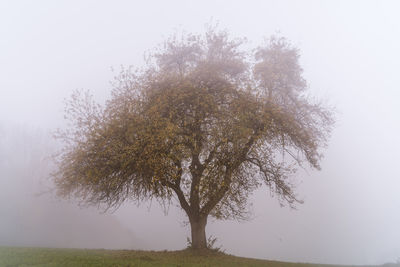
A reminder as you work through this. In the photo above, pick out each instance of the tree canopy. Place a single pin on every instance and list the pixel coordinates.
(205, 122)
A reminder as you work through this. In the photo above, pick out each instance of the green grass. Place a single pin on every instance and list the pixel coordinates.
(11, 256)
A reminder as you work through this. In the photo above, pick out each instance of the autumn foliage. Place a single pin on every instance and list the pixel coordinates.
(204, 123)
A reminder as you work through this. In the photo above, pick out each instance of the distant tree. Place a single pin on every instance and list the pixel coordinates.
(204, 122)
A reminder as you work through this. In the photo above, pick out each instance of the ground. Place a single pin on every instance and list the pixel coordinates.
(11, 256)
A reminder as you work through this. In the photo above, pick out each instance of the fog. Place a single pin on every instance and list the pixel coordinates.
(349, 52)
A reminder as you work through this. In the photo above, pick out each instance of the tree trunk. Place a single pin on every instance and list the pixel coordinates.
(198, 227)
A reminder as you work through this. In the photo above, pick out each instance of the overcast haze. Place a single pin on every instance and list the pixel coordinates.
(351, 59)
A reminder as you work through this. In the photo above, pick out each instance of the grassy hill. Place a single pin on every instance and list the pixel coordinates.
(82, 257)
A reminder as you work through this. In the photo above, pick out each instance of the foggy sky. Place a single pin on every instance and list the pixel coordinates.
(350, 55)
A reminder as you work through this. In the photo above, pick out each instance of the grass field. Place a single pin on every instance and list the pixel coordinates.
(81, 257)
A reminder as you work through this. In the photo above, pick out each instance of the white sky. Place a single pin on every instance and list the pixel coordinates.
(351, 57)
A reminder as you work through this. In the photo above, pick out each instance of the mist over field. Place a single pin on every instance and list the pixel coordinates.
(350, 56)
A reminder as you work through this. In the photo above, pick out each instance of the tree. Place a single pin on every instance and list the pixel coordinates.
(204, 122)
